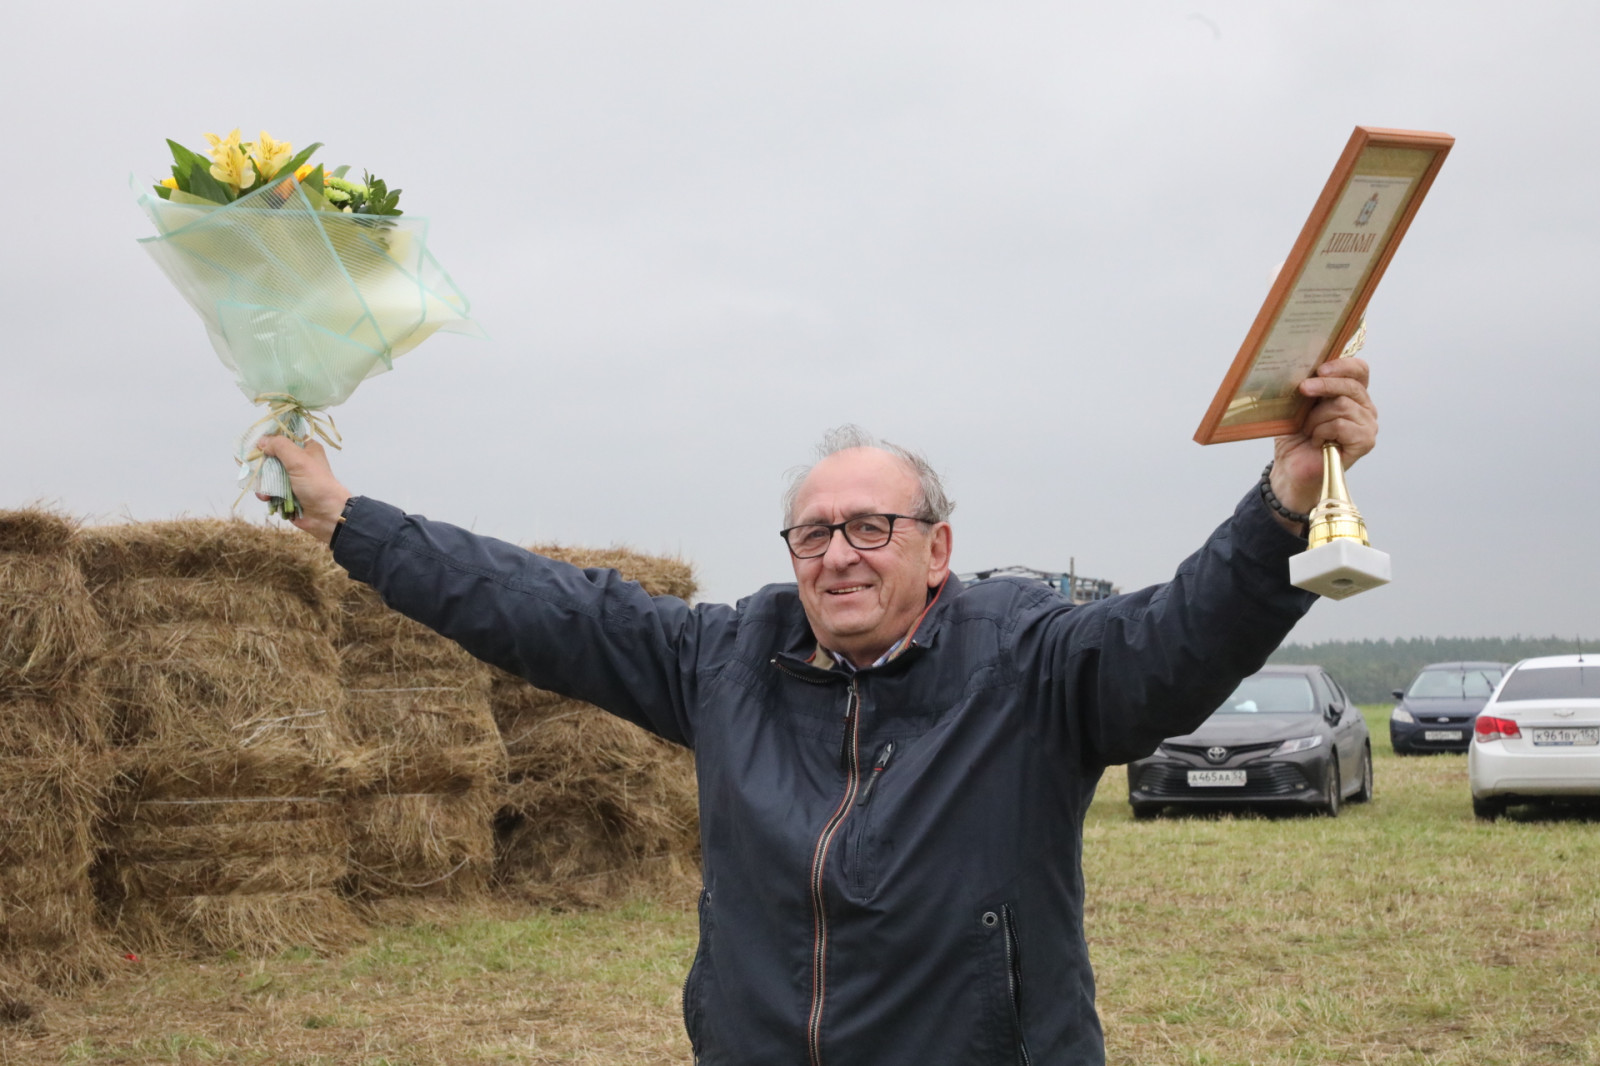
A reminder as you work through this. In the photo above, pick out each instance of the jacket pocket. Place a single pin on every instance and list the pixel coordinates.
(861, 843)
(694, 999)
(1005, 964)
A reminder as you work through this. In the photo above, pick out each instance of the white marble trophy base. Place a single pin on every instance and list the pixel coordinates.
(1339, 568)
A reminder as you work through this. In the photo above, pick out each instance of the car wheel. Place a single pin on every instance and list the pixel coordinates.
(1143, 812)
(1364, 793)
(1489, 808)
(1330, 787)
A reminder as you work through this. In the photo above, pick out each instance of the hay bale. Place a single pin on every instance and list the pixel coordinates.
(48, 627)
(595, 805)
(421, 812)
(231, 737)
(224, 562)
(54, 773)
(252, 874)
(426, 845)
(256, 925)
(599, 805)
(659, 575)
(48, 815)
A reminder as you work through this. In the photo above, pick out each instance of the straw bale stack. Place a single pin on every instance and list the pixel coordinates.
(53, 767)
(228, 719)
(421, 809)
(594, 805)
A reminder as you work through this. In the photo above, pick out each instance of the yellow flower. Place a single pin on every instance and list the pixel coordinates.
(229, 163)
(269, 155)
(303, 171)
(170, 182)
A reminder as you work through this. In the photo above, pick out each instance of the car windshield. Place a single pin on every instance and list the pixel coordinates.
(1270, 695)
(1552, 683)
(1456, 684)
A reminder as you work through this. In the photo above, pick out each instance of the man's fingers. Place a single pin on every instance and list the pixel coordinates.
(1351, 368)
(295, 458)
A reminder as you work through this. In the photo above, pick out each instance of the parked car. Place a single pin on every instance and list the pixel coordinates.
(1435, 712)
(1538, 737)
(1287, 736)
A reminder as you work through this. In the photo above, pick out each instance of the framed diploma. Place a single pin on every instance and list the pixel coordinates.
(1317, 300)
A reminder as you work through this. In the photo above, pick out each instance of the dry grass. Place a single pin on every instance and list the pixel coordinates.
(427, 783)
(48, 628)
(595, 807)
(586, 987)
(1404, 932)
(54, 773)
(226, 707)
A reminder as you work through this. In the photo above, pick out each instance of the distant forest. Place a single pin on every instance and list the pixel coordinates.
(1370, 670)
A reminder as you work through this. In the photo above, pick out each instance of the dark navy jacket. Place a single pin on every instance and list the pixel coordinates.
(892, 859)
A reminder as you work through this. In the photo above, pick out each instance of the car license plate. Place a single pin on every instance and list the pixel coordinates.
(1575, 737)
(1441, 734)
(1216, 778)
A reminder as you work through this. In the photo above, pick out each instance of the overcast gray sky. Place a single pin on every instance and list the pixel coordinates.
(1027, 238)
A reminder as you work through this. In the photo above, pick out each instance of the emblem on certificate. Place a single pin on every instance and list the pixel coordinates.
(1315, 312)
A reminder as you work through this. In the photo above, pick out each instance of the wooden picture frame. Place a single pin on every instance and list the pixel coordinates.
(1322, 289)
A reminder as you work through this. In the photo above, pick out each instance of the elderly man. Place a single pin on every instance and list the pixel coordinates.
(893, 769)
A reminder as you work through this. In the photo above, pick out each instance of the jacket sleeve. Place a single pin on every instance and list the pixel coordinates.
(587, 634)
(1136, 669)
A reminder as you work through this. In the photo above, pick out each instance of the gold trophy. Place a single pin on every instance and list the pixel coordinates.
(1339, 561)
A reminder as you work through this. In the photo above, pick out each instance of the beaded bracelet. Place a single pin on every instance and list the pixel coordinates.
(1276, 504)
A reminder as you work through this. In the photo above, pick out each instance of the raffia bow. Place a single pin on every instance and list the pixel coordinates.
(285, 417)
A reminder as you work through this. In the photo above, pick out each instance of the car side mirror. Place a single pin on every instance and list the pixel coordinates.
(1399, 693)
(1332, 713)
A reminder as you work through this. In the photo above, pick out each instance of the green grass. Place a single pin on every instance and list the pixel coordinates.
(1404, 931)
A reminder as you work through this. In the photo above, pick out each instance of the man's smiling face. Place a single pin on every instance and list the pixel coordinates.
(860, 602)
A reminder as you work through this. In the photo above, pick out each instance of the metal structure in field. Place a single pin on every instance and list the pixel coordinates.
(1070, 584)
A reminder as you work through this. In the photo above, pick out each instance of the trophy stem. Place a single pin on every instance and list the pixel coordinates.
(1338, 560)
(1336, 516)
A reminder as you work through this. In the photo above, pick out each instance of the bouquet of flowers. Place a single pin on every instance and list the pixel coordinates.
(308, 282)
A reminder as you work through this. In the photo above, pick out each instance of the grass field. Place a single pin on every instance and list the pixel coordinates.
(1403, 931)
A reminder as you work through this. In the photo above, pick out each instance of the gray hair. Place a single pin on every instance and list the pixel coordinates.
(931, 502)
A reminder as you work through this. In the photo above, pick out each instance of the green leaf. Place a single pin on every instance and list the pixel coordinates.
(163, 192)
(186, 160)
(340, 171)
(314, 180)
(201, 183)
(303, 156)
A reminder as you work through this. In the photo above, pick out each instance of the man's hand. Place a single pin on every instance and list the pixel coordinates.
(1343, 413)
(318, 492)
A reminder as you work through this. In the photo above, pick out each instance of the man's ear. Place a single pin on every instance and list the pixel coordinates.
(940, 544)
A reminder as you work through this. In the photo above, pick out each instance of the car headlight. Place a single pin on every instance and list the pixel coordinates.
(1289, 747)
(1400, 714)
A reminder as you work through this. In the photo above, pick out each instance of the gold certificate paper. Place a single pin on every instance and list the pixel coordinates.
(1317, 300)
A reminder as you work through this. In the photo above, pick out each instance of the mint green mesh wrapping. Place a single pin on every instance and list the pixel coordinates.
(300, 303)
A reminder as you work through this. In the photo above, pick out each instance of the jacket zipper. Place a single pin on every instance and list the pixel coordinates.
(850, 759)
(705, 898)
(1014, 979)
(879, 765)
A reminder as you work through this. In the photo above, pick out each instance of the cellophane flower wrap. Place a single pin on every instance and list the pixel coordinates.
(303, 299)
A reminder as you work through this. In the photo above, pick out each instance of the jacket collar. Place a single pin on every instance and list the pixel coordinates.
(804, 653)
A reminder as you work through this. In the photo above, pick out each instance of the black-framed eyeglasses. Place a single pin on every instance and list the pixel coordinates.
(864, 532)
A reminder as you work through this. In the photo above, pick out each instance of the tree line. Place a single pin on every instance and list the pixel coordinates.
(1370, 670)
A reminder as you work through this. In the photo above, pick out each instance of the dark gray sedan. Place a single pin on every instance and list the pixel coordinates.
(1437, 711)
(1288, 736)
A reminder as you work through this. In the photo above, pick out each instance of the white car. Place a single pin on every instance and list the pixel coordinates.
(1538, 736)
